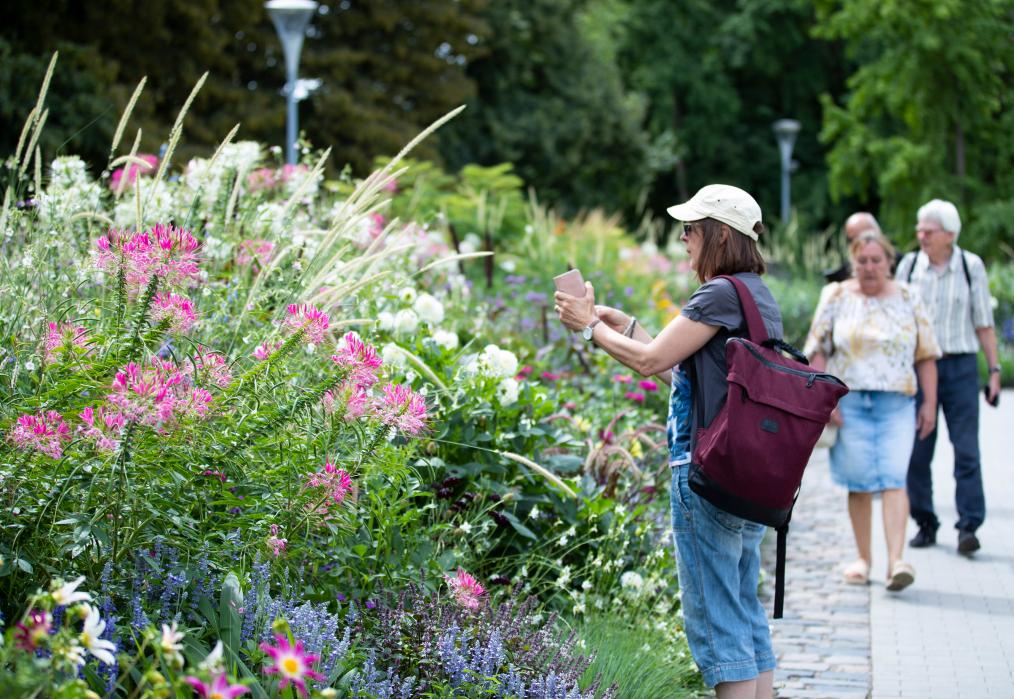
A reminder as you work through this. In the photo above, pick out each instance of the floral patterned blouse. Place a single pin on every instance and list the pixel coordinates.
(872, 344)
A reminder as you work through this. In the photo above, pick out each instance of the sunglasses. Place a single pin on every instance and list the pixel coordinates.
(688, 228)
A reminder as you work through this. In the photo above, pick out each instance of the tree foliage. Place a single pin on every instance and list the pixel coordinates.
(928, 110)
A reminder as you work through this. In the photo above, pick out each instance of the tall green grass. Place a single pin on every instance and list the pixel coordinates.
(640, 660)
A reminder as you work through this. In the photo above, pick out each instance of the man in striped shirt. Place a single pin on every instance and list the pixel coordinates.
(954, 287)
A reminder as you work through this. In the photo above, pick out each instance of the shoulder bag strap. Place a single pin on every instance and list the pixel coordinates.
(754, 323)
(913, 257)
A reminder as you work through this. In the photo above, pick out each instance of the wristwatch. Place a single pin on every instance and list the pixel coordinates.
(629, 330)
(994, 370)
(589, 329)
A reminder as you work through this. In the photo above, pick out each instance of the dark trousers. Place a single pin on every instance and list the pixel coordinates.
(958, 395)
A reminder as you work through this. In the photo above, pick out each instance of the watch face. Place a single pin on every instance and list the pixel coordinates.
(587, 333)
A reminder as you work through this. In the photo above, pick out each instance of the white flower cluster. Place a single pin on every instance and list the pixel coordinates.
(498, 362)
(631, 580)
(71, 191)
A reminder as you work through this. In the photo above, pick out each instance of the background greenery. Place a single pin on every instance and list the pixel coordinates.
(625, 105)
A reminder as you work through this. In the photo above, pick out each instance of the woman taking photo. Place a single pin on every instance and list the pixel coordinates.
(874, 334)
(718, 554)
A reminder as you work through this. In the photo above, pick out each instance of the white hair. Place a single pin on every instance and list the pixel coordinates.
(944, 213)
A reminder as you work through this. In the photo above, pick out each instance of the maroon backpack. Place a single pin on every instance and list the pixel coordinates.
(749, 461)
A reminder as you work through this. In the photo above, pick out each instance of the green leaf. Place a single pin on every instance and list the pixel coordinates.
(520, 528)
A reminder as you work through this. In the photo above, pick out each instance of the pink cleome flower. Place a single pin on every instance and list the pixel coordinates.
(167, 252)
(403, 409)
(157, 395)
(261, 179)
(34, 630)
(64, 338)
(119, 180)
(309, 319)
(173, 310)
(250, 250)
(290, 171)
(335, 481)
(219, 688)
(466, 590)
(647, 385)
(634, 396)
(360, 359)
(264, 350)
(45, 431)
(622, 378)
(276, 544)
(212, 367)
(104, 428)
(291, 663)
(356, 400)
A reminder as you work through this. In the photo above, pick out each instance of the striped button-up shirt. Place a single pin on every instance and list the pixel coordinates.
(956, 307)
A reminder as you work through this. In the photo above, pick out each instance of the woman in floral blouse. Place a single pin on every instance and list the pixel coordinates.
(874, 334)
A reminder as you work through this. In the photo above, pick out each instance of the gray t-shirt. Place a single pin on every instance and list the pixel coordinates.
(716, 303)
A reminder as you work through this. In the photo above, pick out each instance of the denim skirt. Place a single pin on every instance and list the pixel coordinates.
(874, 442)
(718, 564)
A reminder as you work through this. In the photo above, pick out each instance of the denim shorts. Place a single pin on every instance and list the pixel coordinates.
(718, 562)
(874, 442)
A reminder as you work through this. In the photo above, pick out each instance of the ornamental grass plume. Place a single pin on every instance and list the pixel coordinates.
(308, 319)
(291, 663)
(402, 409)
(173, 311)
(45, 432)
(466, 590)
(126, 176)
(64, 338)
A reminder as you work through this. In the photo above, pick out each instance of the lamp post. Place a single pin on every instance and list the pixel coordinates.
(290, 18)
(786, 131)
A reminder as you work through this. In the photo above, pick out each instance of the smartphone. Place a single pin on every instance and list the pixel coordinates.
(985, 392)
(570, 282)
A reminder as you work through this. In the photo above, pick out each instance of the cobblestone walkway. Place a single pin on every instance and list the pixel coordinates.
(949, 636)
(823, 641)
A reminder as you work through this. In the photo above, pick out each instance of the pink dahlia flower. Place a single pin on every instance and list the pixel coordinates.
(291, 663)
(466, 590)
(218, 688)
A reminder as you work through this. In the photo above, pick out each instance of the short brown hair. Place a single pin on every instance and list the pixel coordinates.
(737, 254)
(872, 236)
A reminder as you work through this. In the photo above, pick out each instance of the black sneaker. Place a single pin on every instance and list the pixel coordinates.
(926, 536)
(968, 543)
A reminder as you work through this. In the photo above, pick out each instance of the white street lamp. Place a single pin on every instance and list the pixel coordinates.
(786, 131)
(290, 18)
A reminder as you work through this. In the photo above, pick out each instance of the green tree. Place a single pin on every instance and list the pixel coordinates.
(716, 75)
(927, 112)
(556, 108)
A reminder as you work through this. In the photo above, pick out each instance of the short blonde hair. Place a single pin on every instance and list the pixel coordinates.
(872, 236)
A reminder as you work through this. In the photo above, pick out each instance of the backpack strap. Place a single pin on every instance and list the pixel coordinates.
(754, 323)
(909, 257)
(783, 533)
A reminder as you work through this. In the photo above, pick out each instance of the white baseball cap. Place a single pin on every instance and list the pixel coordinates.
(722, 202)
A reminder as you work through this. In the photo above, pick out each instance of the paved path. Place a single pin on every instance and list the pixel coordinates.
(951, 635)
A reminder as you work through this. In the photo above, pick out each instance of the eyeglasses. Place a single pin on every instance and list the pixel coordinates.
(928, 231)
(688, 229)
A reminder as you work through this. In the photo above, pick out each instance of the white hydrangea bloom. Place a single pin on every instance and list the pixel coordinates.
(499, 362)
(631, 580)
(393, 356)
(406, 322)
(448, 339)
(470, 244)
(507, 392)
(429, 309)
